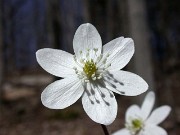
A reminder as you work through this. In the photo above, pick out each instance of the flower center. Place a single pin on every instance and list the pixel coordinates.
(89, 68)
(135, 126)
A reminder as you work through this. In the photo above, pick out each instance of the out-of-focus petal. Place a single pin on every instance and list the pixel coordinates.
(122, 132)
(159, 115)
(148, 104)
(133, 112)
(153, 130)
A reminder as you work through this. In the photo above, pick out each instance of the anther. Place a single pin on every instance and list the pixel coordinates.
(86, 81)
(94, 78)
(108, 55)
(99, 58)
(87, 54)
(104, 61)
(95, 49)
(108, 65)
(74, 57)
(93, 75)
(99, 77)
(76, 71)
(82, 61)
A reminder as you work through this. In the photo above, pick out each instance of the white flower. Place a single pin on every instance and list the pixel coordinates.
(93, 73)
(139, 121)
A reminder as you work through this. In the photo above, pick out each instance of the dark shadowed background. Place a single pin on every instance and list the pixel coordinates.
(28, 25)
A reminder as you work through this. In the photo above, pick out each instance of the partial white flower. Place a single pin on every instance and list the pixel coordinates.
(93, 73)
(140, 121)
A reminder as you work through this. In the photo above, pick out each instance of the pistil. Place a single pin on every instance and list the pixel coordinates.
(90, 68)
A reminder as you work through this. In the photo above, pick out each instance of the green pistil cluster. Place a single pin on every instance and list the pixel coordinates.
(89, 68)
(137, 124)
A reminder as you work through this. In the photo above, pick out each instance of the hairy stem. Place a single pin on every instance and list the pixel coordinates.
(105, 129)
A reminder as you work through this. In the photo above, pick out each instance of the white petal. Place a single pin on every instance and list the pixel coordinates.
(121, 51)
(62, 93)
(159, 115)
(148, 104)
(112, 45)
(122, 132)
(100, 105)
(86, 37)
(133, 112)
(125, 83)
(56, 62)
(153, 130)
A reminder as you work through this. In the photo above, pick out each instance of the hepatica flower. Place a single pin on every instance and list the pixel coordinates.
(140, 121)
(93, 73)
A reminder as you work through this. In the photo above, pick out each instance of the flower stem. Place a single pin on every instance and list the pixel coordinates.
(105, 129)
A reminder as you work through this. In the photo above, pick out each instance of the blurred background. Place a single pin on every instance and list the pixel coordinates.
(28, 25)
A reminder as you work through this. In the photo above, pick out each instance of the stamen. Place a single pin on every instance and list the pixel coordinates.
(93, 75)
(86, 81)
(107, 55)
(99, 58)
(94, 78)
(99, 77)
(76, 71)
(80, 52)
(87, 54)
(107, 66)
(93, 66)
(82, 61)
(75, 68)
(95, 49)
(104, 61)
(75, 59)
